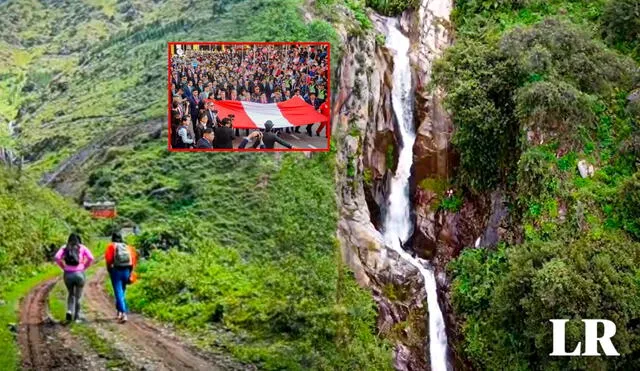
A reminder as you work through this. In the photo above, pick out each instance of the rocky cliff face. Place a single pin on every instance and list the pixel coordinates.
(363, 125)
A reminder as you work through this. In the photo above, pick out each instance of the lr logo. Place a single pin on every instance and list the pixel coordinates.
(591, 338)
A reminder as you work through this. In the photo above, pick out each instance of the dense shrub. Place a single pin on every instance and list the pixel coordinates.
(291, 302)
(621, 21)
(507, 298)
(556, 110)
(543, 77)
(535, 174)
(481, 83)
(557, 50)
(392, 7)
(629, 205)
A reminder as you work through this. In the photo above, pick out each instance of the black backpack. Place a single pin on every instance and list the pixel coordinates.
(72, 255)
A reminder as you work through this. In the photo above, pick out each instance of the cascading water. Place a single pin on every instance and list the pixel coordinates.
(397, 225)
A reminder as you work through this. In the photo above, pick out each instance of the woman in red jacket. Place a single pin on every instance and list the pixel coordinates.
(121, 260)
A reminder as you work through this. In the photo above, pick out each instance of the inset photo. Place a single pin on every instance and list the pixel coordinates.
(250, 96)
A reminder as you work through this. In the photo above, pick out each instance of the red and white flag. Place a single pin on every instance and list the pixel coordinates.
(249, 115)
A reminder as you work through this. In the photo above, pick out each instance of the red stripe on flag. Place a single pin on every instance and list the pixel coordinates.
(298, 112)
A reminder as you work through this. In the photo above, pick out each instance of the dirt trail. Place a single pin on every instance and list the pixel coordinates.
(41, 348)
(48, 345)
(160, 349)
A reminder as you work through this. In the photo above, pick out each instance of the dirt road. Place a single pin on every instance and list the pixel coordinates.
(147, 341)
(46, 345)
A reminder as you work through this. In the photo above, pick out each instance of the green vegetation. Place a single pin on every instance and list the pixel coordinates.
(36, 222)
(531, 80)
(392, 7)
(439, 199)
(262, 259)
(390, 161)
(509, 295)
(536, 88)
(620, 25)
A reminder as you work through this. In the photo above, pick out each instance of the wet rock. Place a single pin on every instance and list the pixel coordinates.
(431, 151)
(425, 234)
(402, 357)
(499, 210)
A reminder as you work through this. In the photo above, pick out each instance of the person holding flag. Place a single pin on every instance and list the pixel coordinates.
(325, 111)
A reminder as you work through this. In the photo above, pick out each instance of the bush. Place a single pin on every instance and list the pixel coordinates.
(556, 110)
(620, 21)
(535, 174)
(392, 8)
(286, 301)
(480, 83)
(507, 298)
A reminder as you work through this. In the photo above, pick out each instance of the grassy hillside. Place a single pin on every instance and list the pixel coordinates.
(253, 265)
(35, 222)
(536, 88)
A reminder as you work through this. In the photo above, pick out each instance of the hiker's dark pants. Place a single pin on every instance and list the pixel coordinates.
(75, 283)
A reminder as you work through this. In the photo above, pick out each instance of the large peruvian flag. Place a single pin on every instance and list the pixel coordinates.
(249, 115)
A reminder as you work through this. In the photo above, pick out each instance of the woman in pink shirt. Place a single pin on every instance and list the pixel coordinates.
(74, 258)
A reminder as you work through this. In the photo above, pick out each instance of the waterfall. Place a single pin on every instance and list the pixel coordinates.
(11, 128)
(397, 224)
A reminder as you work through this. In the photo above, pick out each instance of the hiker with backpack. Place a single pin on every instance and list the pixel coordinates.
(74, 258)
(121, 260)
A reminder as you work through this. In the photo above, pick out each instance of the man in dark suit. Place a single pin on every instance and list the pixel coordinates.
(194, 103)
(212, 116)
(269, 138)
(206, 141)
(223, 135)
(200, 127)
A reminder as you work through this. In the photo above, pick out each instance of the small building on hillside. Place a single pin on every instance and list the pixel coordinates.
(101, 209)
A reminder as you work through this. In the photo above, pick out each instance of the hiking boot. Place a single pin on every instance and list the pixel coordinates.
(69, 317)
(119, 316)
(124, 318)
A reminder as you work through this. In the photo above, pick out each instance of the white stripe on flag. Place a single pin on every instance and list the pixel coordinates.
(259, 113)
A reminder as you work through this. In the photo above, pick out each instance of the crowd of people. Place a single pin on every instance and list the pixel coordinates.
(251, 73)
